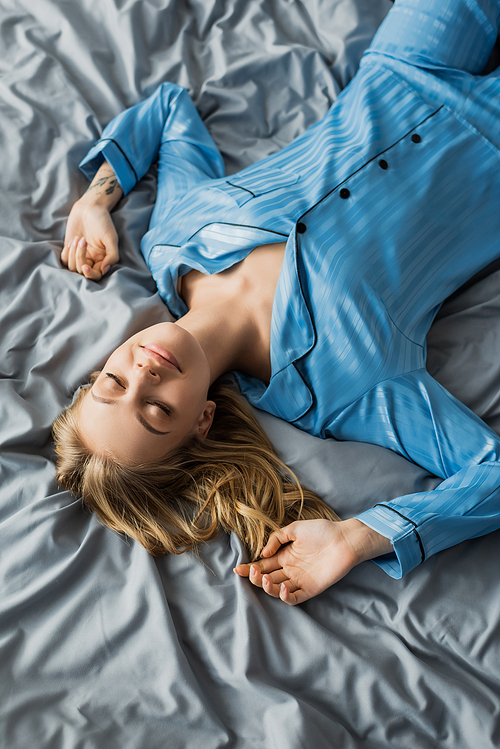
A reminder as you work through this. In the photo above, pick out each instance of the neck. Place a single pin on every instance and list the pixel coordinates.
(228, 337)
(230, 313)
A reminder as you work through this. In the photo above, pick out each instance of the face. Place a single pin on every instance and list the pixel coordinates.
(150, 395)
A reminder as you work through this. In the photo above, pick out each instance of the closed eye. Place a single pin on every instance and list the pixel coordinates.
(116, 379)
(162, 406)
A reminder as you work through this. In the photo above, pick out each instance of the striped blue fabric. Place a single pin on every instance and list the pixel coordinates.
(387, 205)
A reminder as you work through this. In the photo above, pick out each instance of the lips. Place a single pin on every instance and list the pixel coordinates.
(161, 355)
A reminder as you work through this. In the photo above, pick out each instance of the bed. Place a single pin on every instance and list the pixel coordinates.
(101, 645)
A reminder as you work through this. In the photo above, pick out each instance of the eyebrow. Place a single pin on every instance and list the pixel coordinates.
(138, 416)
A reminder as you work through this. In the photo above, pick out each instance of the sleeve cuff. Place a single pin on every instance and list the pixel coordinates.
(110, 151)
(402, 533)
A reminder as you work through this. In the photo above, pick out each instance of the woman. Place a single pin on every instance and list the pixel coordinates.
(315, 274)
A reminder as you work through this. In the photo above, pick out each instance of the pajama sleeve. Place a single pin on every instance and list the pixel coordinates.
(165, 126)
(439, 34)
(415, 416)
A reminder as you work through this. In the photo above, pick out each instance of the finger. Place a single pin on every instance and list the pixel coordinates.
(72, 255)
(82, 257)
(275, 589)
(243, 570)
(268, 566)
(255, 575)
(106, 264)
(272, 564)
(112, 256)
(93, 274)
(68, 241)
(277, 577)
(64, 252)
(277, 539)
(291, 595)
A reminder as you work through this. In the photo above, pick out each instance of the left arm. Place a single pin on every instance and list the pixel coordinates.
(308, 556)
(417, 418)
(439, 34)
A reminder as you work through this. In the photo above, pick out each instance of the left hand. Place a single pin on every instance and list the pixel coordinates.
(306, 557)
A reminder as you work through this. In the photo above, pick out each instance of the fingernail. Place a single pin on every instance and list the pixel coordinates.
(82, 242)
(282, 588)
(253, 570)
(105, 269)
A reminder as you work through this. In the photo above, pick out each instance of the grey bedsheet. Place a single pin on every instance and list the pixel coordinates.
(102, 646)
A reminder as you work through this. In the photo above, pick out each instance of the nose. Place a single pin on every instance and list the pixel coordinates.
(147, 369)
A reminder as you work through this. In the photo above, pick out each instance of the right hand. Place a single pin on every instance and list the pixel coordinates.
(91, 241)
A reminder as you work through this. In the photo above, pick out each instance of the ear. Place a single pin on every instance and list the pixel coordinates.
(202, 426)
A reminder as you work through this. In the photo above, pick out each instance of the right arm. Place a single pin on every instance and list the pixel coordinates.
(165, 126)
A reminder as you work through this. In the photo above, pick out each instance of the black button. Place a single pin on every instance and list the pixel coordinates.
(416, 138)
(301, 227)
(383, 164)
(344, 193)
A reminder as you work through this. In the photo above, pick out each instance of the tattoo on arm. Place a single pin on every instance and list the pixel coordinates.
(111, 187)
(97, 183)
(104, 189)
(100, 184)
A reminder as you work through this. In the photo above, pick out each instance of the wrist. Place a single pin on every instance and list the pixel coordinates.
(104, 190)
(364, 542)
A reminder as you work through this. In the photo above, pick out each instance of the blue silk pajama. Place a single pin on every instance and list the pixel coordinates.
(387, 206)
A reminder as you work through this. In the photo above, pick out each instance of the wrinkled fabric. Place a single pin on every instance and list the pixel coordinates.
(102, 646)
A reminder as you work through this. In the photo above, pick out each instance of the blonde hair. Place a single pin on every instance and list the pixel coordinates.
(232, 479)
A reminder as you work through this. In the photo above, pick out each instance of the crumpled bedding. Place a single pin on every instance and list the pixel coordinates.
(101, 645)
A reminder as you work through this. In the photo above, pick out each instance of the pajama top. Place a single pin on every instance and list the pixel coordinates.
(387, 205)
